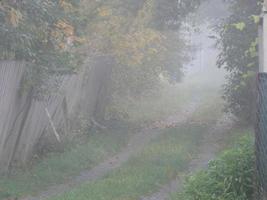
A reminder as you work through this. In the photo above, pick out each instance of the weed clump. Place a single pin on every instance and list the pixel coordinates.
(230, 177)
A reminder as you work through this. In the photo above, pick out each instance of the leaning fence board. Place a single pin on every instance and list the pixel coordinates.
(24, 119)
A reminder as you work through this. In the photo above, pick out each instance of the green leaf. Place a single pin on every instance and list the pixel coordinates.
(256, 18)
(239, 26)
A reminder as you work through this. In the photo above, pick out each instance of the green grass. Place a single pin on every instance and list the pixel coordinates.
(230, 142)
(161, 161)
(58, 167)
(230, 176)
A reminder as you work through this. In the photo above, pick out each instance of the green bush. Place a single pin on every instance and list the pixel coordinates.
(230, 177)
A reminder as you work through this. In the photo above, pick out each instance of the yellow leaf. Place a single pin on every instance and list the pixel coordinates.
(256, 19)
(239, 26)
(65, 27)
(104, 12)
(79, 39)
(62, 46)
(14, 17)
(65, 5)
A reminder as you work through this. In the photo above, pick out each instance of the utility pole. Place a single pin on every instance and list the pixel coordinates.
(261, 124)
(264, 25)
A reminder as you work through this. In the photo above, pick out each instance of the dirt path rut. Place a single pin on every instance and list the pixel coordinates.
(208, 150)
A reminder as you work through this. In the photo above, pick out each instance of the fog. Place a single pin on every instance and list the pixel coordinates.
(129, 100)
(204, 59)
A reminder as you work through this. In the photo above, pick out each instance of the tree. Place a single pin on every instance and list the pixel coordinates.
(128, 31)
(42, 33)
(169, 14)
(238, 42)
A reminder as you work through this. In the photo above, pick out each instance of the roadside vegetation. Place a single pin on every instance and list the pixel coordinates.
(164, 159)
(230, 176)
(89, 149)
(238, 38)
(56, 168)
(168, 100)
(161, 161)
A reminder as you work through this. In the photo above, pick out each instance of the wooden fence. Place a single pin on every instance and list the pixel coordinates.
(24, 120)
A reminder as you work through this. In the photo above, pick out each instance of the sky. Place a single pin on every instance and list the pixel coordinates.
(205, 52)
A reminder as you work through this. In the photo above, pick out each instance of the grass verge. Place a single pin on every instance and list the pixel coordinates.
(58, 167)
(230, 176)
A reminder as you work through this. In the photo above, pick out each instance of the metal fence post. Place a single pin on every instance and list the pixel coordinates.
(261, 124)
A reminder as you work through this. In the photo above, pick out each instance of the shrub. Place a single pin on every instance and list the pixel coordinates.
(230, 177)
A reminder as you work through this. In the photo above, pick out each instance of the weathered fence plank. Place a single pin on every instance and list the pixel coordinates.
(24, 120)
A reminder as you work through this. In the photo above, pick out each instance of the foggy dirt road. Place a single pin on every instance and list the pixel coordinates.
(207, 151)
(135, 145)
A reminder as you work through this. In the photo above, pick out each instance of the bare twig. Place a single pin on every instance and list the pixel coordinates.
(97, 124)
(52, 125)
